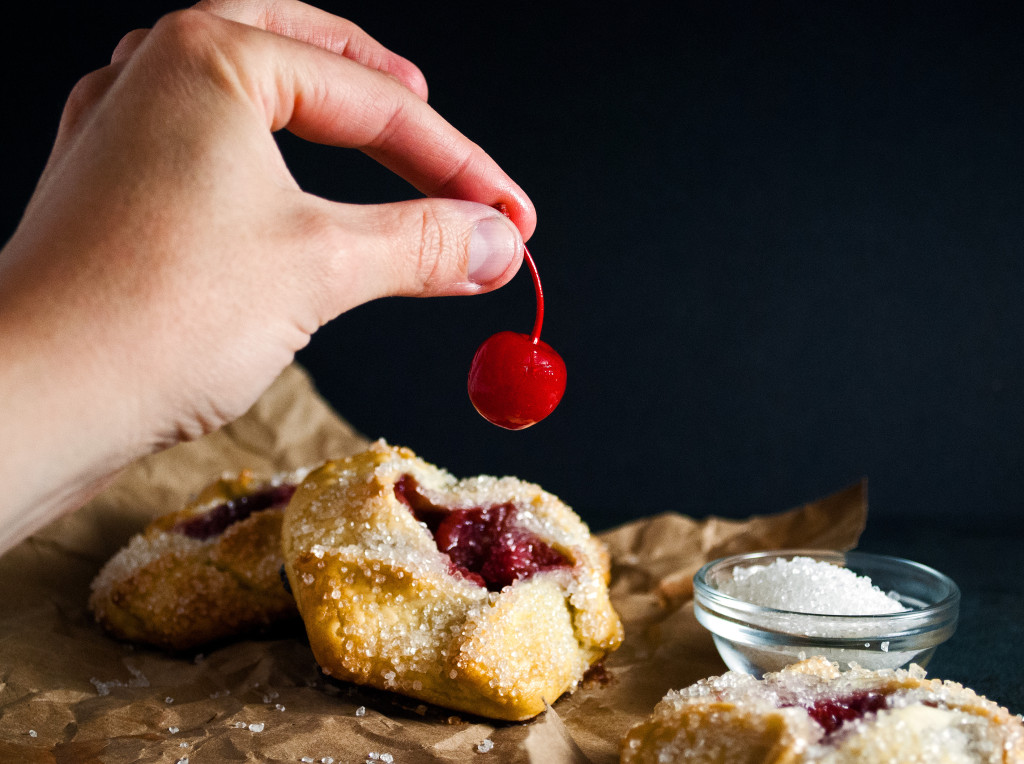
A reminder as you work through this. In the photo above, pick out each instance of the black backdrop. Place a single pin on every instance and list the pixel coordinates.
(782, 245)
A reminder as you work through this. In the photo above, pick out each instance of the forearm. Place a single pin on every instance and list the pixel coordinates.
(67, 424)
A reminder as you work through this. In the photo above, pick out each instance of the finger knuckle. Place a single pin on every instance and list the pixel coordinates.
(183, 28)
(198, 41)
(128, 41)
(430, 256)
(85, 93)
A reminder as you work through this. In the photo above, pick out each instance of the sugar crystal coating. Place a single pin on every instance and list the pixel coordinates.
(216, 520)
(811, 712)
(207, 571)
(806, 585)
(383, 607)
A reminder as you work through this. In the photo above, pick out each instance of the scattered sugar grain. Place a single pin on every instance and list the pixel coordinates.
(183, 760)
(805, 585)
(256, 727)
(173, 730)
(361, 711)
(485, 745)
(307, 760)
(138, 680)
(33, 733)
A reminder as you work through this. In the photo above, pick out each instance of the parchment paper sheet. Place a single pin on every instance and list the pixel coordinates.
(69, 693)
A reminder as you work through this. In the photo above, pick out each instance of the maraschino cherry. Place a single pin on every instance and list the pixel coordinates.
(516, 379)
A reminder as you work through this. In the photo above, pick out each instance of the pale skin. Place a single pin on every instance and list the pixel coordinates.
(168, 266)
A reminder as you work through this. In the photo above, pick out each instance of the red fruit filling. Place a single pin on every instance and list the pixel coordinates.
(215, 521)
(832, 713)
(484, 544)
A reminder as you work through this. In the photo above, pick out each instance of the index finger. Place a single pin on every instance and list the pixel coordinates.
(331, 99)
(306, 23)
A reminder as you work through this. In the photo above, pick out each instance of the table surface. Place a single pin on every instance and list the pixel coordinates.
(987, 563)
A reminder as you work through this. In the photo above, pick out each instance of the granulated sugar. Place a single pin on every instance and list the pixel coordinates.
(485, 745)
(805, 585)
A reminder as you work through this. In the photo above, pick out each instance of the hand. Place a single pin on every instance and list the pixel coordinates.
(168, 266)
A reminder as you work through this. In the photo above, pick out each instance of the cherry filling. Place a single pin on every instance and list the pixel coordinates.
(832, 713)
(217, 520)
(484, 544)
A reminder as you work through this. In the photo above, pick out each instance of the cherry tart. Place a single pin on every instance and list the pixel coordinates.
(812, 712)
(484, 595)
(206, 572)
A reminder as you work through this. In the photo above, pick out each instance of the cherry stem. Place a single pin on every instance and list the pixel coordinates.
(539, 321)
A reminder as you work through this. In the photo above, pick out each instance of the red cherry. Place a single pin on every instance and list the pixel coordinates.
(515, 382)
(515, 379)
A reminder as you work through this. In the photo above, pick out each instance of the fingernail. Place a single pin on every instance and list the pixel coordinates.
(492, 246)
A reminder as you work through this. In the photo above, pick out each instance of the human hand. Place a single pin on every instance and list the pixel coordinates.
(168, 266)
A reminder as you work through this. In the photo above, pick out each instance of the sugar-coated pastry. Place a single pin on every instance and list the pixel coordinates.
(812, 712)
(208, 571)
(485, 595)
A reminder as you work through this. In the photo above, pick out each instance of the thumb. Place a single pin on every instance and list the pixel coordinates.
(423, 248)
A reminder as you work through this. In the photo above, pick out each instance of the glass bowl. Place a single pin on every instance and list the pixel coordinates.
(756, 639)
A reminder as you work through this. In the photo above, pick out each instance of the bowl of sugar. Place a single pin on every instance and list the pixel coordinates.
(767, 610)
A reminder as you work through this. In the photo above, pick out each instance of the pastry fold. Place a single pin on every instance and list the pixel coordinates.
(505, 620)
(813, 712)
(206, 572)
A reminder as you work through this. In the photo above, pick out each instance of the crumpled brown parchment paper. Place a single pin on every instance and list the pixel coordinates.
(68, 693)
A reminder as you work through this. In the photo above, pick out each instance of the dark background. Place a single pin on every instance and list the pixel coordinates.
(781, 244)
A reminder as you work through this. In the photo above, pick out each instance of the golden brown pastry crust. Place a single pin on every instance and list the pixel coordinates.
(383, 608)
(177, 592)
(737, 719)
